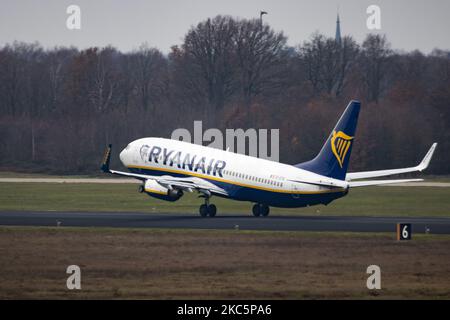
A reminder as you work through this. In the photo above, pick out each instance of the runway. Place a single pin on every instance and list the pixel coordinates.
(225, 222)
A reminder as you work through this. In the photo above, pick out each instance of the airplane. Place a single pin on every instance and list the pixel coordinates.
(169, 168)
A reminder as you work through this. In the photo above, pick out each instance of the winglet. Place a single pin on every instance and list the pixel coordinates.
(426, 160)
(106, 159)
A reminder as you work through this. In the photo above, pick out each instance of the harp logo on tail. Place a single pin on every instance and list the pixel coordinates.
(340, 143)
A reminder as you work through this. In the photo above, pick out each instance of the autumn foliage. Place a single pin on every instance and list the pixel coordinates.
(59, 107)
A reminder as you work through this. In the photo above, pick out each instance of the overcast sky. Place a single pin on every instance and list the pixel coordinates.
(408, 24)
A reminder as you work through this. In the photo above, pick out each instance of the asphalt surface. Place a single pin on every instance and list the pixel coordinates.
(241, 222)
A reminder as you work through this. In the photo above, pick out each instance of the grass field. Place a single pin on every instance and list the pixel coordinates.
(168, 264)
(401, 201)
(215, 264)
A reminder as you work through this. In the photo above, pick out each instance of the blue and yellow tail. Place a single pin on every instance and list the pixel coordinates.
(332, 161)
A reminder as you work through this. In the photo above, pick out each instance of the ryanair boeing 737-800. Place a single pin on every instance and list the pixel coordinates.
(168, 168)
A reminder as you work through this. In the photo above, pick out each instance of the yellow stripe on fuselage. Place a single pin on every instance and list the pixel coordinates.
(204, 176)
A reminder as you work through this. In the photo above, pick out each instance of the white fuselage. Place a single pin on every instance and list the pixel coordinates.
(244, 177)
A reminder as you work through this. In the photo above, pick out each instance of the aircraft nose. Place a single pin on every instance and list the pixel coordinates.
(123, 156)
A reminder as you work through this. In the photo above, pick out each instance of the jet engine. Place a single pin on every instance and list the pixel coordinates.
(154, 189)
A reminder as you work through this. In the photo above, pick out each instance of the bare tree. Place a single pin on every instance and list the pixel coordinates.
(262, 58)
(327, 62)
(374, 63)
(12, 72)
(104, 79)
(348, 56)
(149, 67)
(310, 54)
(57, 61)
(208, 48)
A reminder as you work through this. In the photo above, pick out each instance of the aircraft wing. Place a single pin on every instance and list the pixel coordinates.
(190, 183)
(381, 173)
(323, 182)
(170, 182)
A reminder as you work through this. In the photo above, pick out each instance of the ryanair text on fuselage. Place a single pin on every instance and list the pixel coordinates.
(181, 160)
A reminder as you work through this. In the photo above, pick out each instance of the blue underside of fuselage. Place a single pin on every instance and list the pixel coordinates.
(274, 199)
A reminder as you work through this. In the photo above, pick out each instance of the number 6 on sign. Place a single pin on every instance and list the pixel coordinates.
(404, 231)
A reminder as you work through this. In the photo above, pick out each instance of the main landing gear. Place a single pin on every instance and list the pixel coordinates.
(207, 209)
(210, 210)
(260, 209)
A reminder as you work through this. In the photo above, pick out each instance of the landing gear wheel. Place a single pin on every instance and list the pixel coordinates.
(256, 210)
(203, 210)
(207, 209)
(141, 188)
(212, 210)
(260, 210)
(265, 210)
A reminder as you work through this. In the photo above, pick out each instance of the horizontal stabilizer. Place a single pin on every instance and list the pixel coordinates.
(355, 184)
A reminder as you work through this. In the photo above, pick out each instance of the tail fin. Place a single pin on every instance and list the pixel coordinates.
(332, 161)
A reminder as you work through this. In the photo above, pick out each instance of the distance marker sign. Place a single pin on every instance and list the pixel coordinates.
(404, 231)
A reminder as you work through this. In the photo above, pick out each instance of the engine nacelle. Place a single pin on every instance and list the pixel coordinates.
(154, 189)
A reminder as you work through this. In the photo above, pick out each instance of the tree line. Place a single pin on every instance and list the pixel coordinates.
(61, 106)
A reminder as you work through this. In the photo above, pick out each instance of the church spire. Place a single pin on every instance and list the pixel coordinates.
(338, 30)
